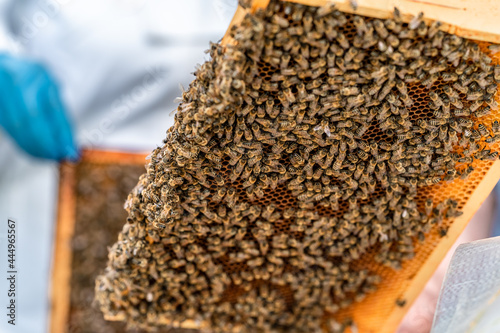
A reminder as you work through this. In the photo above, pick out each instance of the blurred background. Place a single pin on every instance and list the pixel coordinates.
(104, 74)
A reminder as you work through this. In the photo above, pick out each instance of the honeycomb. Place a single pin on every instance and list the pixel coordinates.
(100, 191)
(249, 219)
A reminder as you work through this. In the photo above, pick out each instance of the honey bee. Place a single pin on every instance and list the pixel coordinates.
(325, 10)
(408, 35)
(474, 95)
(483, 131)
(491, 156)
(443, 231)
(342, 40)
(433, 29)
(495, 127)
(349, 91)
(467, 124)
(465, 174)
(481, 112)
(461, 113)
(475, 106)
(400, 302)
(496, 73)
(450, 91)
(491, 89)
(454, 125)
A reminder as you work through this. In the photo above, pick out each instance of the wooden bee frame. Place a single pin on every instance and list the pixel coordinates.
(61, 270)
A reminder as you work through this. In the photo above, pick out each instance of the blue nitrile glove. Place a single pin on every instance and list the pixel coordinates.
(31, 111)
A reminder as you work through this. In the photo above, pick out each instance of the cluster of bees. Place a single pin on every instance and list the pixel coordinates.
(298, 103)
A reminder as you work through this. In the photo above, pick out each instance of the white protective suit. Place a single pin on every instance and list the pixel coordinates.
(119, 64)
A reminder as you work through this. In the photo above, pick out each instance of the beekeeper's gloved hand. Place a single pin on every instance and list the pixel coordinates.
(31, 111)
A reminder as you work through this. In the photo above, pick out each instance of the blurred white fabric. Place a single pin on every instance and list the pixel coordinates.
(119, 64)
(470, 296)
